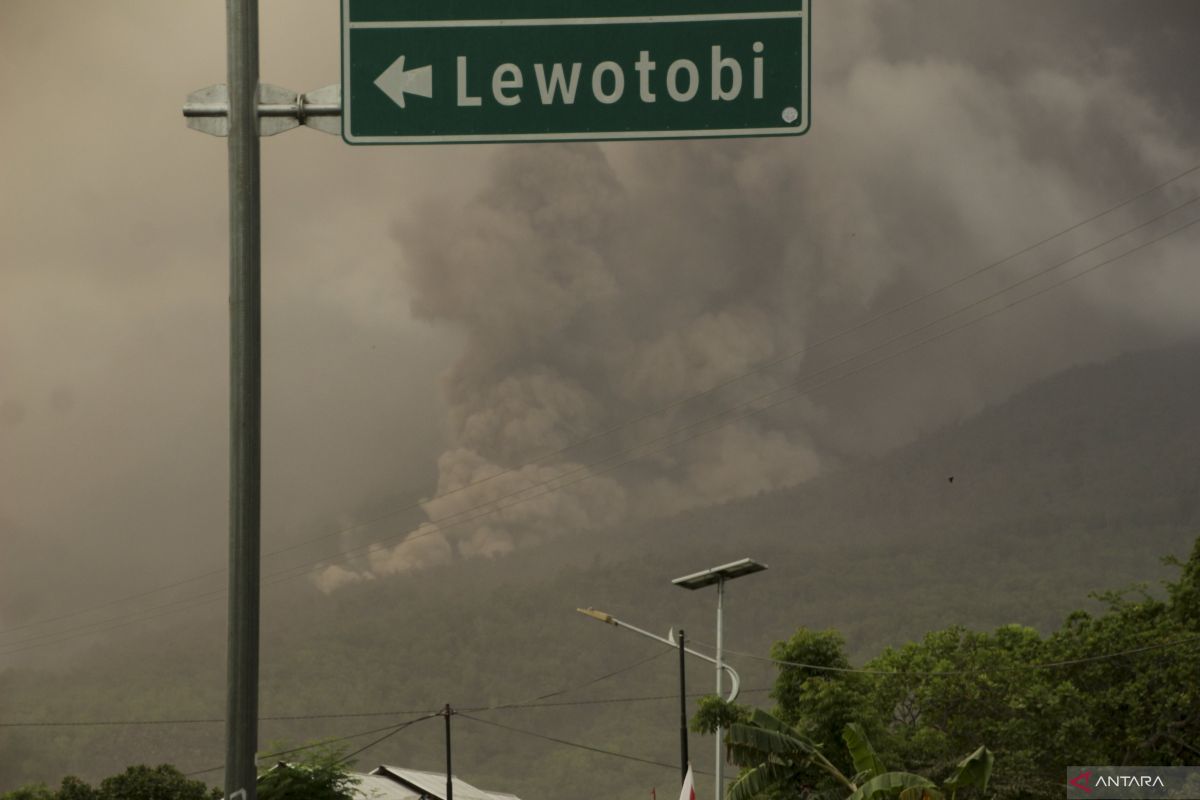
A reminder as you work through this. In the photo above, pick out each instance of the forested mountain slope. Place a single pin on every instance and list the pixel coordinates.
(1077, 484)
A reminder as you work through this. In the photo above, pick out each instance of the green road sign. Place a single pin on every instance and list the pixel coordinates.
(425, 71)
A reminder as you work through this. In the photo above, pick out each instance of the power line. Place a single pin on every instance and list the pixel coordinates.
(603, 701)
(204, 720)
(650, 698)
(131, 723)
(593, 681)
(534, 703)
(745, 408)
(392, 730)
(364, 748)
(323, 743)
(577, 745)
(646, 415)
(1046, 665)
(123, 620)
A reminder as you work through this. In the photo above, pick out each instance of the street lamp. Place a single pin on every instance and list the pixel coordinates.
(669, 639)
(718, 576)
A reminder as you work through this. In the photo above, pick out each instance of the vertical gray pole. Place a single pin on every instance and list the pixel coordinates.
(683, 742)
(720, 765)
(241, 714)
(449, 780)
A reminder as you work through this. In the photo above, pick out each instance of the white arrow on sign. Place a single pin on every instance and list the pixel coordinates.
(396, 81)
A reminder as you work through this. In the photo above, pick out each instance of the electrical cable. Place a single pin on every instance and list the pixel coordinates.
(601, 701)
(130, 723)
(322, 743)
(346, 758)
(567, 743)
(593, 681)
(599, 434)
(205, 720)
(533, 703)
(391, 730)
(1071, 662)
(626, 756)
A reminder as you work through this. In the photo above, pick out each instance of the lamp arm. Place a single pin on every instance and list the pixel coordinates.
(734, 680)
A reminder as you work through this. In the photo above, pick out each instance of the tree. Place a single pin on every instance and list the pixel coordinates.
(1041, 702)
(321, 774)
(33, 791)
(163, 782)
(73, 788)
(779, 761)
(1047, 702)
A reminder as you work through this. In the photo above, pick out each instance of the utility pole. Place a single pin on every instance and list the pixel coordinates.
(447, 713)
(683, 733)
(718, 576)
(719, 767)
(243, 110)
(245, 251)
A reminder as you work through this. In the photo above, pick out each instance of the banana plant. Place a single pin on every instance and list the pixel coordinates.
(776, 755)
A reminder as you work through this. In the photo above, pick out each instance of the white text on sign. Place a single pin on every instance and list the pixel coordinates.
(559, 83)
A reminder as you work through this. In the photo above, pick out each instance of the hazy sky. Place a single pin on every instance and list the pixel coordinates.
(435, 315)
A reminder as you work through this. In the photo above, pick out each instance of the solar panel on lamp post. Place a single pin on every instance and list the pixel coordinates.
(718, 576)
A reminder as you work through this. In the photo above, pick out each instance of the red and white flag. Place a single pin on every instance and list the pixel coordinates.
(688, 792)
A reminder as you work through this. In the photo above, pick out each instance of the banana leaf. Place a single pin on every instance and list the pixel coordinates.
(865, 759)
(974, 770)
(759, 781)
(890, 782)
(921, 793)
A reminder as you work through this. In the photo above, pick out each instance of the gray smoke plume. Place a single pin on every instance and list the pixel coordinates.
(596, 283)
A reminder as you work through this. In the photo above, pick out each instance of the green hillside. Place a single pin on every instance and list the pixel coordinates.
(1077, 484)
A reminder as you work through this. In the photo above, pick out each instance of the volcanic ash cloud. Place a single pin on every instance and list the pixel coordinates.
(594, 285)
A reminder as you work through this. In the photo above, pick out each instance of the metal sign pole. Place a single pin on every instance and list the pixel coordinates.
(449, 780)
(683, 740)
(243, 110)
(719, 769)
(245, 392)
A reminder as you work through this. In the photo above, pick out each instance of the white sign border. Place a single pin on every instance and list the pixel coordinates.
(801, 127)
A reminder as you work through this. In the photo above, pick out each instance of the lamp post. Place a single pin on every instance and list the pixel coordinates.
(669, 639)
(718, 576)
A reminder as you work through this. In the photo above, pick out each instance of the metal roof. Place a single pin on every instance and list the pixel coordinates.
(433, 784)
(377, 787)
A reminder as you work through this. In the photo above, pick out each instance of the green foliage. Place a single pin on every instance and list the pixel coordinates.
(780, 761)
(715, 712)
(33, 791)
(955, 688)
(973, 771)
(821, 702)
(73, 788)
(762, 780)
(889, 783)
(163, 782)
(764, 737)
(321, 774)
(920, 793)
(1184, 594)
(1075, 485)
(866, 762)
